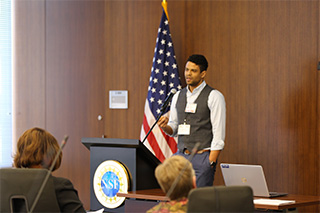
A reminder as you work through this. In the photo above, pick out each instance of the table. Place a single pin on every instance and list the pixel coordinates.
(301, 201)
(155, 195)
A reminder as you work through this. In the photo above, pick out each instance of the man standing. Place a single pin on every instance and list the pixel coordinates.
(198, 114)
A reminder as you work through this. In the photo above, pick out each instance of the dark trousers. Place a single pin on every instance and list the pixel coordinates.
(201, 165)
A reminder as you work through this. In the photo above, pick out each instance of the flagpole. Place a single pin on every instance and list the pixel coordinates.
(165, 8)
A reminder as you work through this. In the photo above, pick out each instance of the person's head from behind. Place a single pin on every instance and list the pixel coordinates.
(169, 170)
(37, 148)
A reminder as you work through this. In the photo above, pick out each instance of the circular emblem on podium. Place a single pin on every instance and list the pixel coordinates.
(110, 178)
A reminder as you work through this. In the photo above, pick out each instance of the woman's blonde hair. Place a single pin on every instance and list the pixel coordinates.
(169, 170)
(36, 147)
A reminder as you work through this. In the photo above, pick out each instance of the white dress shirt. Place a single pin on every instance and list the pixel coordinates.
(217, 106)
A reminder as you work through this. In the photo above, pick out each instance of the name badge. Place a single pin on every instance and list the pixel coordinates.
(184, 129)
(191, 108)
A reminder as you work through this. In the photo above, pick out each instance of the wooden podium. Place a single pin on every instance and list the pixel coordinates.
(140, 162)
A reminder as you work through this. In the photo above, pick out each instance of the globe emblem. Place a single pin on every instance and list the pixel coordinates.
(110, 184)
(110, 178)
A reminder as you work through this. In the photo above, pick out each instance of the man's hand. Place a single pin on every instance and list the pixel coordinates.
(214, 154)
(163, 121)
(163, 124)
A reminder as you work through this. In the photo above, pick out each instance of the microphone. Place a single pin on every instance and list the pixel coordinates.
(175, 182)
(162, 109)
(63, 143)
(168, 99)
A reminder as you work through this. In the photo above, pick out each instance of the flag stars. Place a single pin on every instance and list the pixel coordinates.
(174, 66)
(162, 80)
(179, 87)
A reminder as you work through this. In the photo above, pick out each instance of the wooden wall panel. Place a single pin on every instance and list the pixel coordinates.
(317, 146)
(75, 64)
(132, 28)
(28, 66)
(130, 41)
(179, 29)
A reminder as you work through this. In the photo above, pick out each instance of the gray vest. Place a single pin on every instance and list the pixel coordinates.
(201, 128)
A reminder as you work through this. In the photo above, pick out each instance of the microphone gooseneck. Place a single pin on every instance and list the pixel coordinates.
(162, 110)
(168, 99)
(63, 143)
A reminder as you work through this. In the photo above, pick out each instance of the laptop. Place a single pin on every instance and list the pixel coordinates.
(251, 175)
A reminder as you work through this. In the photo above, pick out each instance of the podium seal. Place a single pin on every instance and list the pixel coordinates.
(110, 178)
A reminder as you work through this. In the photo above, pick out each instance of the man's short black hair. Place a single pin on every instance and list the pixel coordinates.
(199, 60)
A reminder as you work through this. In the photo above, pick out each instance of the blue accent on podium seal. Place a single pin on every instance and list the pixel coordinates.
(110, 184)
(111, 177)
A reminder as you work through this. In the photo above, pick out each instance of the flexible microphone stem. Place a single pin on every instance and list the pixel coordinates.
(159, 116)
(162, 110)
(168, 99)
(63, 143)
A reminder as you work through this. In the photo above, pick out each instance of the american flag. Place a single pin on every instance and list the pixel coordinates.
(164, 78)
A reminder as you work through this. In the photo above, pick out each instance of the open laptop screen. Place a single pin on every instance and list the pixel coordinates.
(251, 175)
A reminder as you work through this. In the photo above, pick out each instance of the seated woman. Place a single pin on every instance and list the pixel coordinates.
(37, 148)
(175, 168)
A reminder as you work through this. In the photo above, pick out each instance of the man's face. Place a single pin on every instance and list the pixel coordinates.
(193, 75)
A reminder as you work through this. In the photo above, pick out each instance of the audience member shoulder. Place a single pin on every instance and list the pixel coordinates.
(67, 195)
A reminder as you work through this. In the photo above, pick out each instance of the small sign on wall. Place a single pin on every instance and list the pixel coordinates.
(118, 99)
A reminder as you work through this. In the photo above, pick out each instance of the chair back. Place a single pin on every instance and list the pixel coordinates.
(221, 199)
(19, 188)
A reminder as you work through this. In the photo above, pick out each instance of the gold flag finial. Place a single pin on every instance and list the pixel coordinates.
(165, 8)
